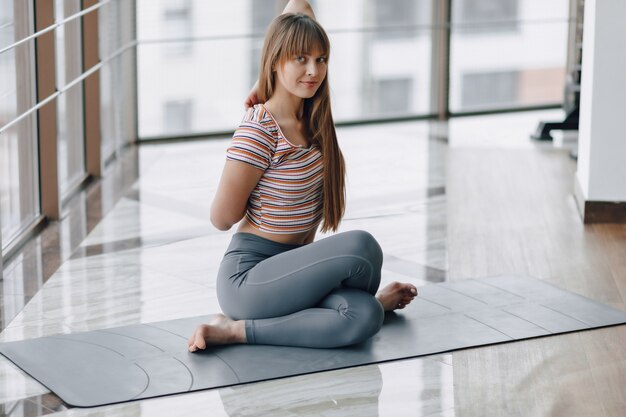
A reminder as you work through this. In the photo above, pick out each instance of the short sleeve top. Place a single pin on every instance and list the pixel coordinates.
(288, 197)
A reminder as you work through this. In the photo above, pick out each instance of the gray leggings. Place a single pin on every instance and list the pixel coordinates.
(316, 295)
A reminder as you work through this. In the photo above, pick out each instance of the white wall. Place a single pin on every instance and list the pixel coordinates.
(602, 141)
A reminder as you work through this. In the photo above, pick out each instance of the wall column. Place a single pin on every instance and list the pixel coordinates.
(91, 57)
(601, 177)
(47, 115)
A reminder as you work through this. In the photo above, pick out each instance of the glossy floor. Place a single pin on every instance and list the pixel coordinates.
(471, 198)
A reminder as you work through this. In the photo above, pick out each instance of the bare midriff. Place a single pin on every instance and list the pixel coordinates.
(292, 238)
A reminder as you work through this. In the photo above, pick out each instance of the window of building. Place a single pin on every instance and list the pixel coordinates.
(390, 13)
(489, 89)
(178, 114)
(263, 12)
(495, 15)
(178, 23)
(393, 96)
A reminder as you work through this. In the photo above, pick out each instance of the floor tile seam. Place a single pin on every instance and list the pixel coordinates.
(396, 258)
(157, 241)
(379, 216)
(172, 275)
(439, 413)
(14, 404)
(451, 365)
(154, 195)
(424, 193)
(50, 411)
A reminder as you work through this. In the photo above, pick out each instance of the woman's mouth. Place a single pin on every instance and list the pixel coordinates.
(309, 84)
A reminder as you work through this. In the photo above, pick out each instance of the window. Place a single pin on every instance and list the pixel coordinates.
(393, 96)
(263, 12)
(19, 173)
(71, 152)
(178, 23)
(503, 14)
(489, 89)
(390, 13)
(178, 116)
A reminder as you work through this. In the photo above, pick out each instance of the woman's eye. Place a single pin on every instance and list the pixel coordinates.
(300, 59)
(321, 59)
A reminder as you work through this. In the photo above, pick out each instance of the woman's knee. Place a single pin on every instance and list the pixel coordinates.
(360, 242)
(366, 318)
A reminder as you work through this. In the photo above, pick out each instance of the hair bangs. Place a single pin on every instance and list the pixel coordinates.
(304, 38)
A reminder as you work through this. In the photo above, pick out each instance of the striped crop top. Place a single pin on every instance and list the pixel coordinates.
(288, 197)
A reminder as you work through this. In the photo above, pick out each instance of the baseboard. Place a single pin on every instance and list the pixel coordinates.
(599, 211)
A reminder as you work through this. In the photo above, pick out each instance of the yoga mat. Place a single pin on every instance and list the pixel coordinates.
(149, 360)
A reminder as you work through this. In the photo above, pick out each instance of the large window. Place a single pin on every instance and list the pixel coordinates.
(117, 78)
(507, 53)
(365, 69)
(19, 192)
(43, 94)
(71, 149)
(504, 54)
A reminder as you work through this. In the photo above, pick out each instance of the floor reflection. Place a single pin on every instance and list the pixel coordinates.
(26, 273)
(352, 391)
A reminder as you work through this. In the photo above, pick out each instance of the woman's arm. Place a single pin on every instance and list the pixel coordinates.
(237, 182)
(299, 6)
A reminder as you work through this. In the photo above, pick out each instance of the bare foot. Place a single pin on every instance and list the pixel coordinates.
(396, 295)
(220, 331)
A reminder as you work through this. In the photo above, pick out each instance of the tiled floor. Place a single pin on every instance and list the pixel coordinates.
(138, 247)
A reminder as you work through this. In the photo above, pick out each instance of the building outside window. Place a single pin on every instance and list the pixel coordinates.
(178, 23)
(490, 88)
(178, 116)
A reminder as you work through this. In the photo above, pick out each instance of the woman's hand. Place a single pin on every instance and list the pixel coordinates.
(253, 97)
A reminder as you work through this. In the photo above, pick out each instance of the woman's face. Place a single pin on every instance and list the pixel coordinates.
(303, 74)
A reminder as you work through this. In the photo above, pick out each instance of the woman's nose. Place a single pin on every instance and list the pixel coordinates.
(311, 69)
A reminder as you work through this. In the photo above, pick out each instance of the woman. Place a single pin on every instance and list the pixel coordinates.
(284, 175)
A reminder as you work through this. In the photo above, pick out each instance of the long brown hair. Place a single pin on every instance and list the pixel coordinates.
(291, 35)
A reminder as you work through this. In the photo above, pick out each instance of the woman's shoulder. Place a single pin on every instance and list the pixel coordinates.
(258, 115)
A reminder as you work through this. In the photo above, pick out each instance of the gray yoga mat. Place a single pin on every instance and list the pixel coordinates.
(148, 360)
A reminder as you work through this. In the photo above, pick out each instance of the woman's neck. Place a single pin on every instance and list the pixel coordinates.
(285, 106)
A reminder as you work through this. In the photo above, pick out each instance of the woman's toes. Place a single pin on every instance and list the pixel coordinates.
(410, 289)
(197, 341)
(200, 341)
